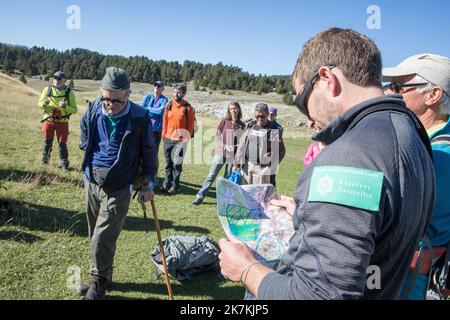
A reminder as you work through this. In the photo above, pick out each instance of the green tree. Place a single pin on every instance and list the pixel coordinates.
(196, 86)
(8, 66)
(23, 79)
(279, 87)
(287, 99)
(85, 64)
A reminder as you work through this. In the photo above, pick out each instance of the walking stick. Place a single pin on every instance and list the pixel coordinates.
(161, 248)
(144, 208)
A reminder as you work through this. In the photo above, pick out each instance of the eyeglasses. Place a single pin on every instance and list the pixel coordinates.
(58, 78)
(260, 117)
(115, 102)
(399, 87)
(301, 101)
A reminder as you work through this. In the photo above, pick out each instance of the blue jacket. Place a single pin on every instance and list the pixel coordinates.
(138, 143)
(439, 230)
(278, 126)
(156, 113)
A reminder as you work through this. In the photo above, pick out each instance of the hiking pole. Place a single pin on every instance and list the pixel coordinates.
(144, 208)
(161, 248)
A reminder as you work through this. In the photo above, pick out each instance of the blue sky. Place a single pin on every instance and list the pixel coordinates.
(260, 36)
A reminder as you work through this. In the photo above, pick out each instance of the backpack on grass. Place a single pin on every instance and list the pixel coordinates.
(187, 255)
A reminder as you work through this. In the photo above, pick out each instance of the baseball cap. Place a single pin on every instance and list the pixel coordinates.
(432, 67)
(159, 84)
(273, 110)
(60, 74)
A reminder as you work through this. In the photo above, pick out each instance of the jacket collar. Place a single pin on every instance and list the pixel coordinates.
(339, 126)
(443, 130)
(123, 113)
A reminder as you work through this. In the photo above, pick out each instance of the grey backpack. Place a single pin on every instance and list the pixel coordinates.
(186, 255)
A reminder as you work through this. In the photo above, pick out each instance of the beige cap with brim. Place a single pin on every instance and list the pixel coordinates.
(432, 67)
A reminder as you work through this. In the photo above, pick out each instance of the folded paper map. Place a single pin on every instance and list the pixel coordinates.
(245, 213)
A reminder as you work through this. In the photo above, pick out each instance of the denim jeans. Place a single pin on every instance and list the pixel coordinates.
(157, 136)
(216, 166)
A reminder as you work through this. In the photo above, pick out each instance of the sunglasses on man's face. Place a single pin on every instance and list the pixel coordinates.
(260, 116)
(399, 88)
(58, 79)
(301, 100)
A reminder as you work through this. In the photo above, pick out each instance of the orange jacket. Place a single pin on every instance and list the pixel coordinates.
(175, 120)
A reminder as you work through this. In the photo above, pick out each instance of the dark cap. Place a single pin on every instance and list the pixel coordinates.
(115, 79)
(159, 84)
(273, 111)
(59, 74)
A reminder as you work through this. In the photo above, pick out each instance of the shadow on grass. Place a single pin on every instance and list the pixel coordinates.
(43, 218)
(192, 189)
(209, 284)
(57, 220)
(185, 189)
(19, 236)
(190, 185)
(39, 178)
(133, 223)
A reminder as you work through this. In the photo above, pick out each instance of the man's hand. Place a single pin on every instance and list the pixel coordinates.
(145, 196)
(234, 257)
(62, 104)
(287, 203)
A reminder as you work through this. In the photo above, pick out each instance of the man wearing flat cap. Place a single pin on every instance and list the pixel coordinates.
(117, 137)
(58, 103)
(423, 81)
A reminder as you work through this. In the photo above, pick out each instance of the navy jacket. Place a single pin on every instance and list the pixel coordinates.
(138, 144)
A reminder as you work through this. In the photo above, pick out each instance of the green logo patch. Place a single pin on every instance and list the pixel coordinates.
(355, 187)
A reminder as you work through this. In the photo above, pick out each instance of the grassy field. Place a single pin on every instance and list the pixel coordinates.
(43, 231)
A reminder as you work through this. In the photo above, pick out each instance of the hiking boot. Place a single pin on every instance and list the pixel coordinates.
(46, 151)
(97, 289)
(63, 155)
(64, 166)
(172, 191)
(164, 189)
(84, 287)
(197, 201)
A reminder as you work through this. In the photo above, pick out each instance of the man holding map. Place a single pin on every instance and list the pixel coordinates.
(365, 201)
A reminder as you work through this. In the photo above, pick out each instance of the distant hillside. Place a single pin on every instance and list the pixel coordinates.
(85, 64)
(16, 87)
